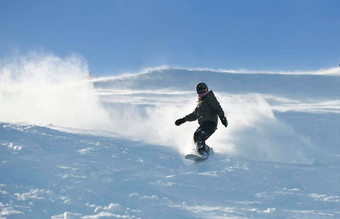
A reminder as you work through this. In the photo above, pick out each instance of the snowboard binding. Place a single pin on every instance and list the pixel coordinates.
(203, 149)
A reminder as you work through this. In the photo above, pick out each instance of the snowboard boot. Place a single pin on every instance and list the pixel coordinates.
(202, 148)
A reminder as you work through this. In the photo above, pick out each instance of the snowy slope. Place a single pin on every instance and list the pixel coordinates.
(74, 147)
(47, 173)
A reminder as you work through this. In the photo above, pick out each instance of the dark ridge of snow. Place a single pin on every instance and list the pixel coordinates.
(298, 86)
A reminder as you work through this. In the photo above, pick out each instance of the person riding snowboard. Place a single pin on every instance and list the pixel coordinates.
(206, 112)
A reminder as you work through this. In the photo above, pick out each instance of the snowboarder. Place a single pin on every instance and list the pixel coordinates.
(206, 112)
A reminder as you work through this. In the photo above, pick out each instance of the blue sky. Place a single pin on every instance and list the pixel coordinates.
(117, 36)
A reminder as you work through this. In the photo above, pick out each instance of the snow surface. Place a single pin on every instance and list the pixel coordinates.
(79, 147)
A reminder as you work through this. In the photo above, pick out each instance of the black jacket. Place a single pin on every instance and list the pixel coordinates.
(206, 110)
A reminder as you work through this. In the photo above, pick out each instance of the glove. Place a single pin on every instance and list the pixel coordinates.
(180, 121)
(224, 121)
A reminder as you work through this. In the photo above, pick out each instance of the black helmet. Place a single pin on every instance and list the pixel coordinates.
(201, 88)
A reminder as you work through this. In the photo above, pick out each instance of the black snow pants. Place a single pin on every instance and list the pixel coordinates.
(203, 132)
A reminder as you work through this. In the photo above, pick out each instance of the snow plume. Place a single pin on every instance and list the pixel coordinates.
(253, 131)
(45, 89)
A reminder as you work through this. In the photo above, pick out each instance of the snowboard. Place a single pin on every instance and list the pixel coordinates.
(199, 158)
(196, 158)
